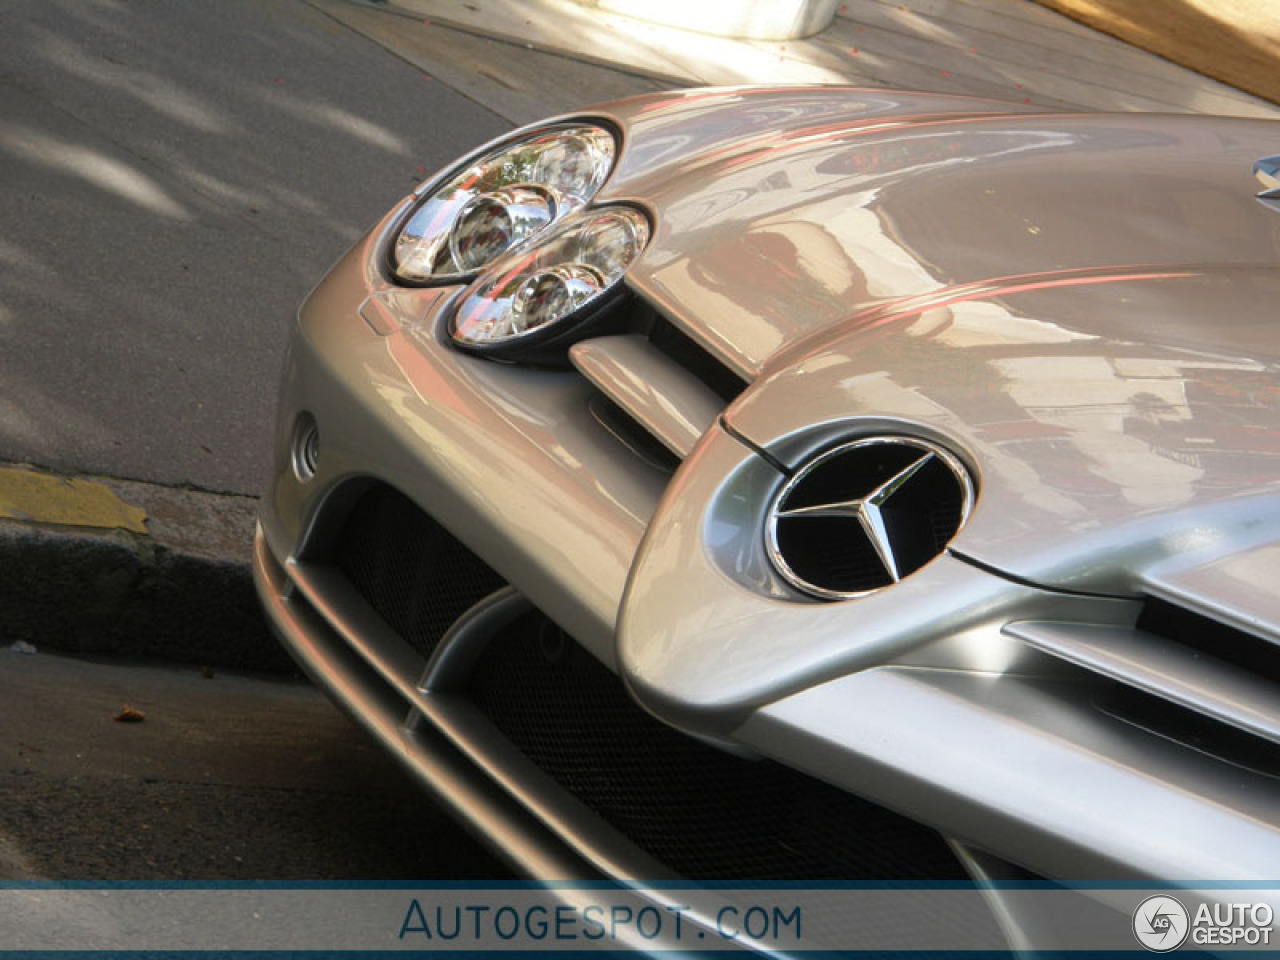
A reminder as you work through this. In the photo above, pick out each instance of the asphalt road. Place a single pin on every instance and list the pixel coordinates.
(174, 177)
(226, 777)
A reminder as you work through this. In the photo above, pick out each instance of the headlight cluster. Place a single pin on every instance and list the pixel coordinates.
(502, 198)
(537, 189)
(528, 291)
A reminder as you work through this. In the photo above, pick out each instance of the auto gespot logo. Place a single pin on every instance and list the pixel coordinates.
(1161, 924)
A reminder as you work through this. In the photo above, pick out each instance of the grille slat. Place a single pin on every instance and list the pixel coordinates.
(1203, 684)
(655, 376)
(665, 399)
(681, 348)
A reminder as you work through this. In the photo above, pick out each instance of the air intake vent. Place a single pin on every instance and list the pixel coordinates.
(704, 814)
(408, 568)
(1212, 638)
(1182, 675)
(866, 514)
(679, 347)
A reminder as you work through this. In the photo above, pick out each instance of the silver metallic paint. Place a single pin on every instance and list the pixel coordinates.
(1108, 442)
(440, 426)
(1083, 306)
(767, 238)
(702, 645)
(1217, 689)
(1026, 770)
(674, 406)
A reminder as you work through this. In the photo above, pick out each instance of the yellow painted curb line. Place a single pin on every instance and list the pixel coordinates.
(66, 502)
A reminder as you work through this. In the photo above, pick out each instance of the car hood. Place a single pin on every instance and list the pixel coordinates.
(785, 213)
(1083, 305)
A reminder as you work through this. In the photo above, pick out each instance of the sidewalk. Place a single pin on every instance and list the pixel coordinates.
(1006, 49)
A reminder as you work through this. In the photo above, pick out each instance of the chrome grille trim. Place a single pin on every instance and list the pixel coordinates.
(333, 597)
(1196, 682)
(347, 678)
(321, 632)
(663, 397)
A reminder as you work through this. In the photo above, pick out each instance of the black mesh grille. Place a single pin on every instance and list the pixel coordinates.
(410, 570)
(832, 553)
(705, 814)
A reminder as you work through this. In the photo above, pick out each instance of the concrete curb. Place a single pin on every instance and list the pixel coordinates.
(102, 566)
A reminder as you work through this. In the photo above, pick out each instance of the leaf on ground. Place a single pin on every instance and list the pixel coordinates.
(128, 714)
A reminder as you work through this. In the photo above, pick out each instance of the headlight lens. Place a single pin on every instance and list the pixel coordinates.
(506, 196)
(532, 290)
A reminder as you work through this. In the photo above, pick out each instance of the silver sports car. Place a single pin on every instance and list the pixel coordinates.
(809, 484)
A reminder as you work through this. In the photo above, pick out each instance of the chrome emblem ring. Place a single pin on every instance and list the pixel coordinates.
(865, 514)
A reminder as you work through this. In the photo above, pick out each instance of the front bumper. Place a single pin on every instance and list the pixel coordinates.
(962, 727)
(496, 452)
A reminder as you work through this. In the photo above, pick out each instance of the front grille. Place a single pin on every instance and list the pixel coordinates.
(1203, 734)
(689, 385)
(704, 813)
(1212, 644)
(636, 315)
(414, 574)
(1180, 675)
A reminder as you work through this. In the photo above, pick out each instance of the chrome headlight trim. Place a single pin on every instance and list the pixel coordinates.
(890, 540)
(530, 301)
(522, 185)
